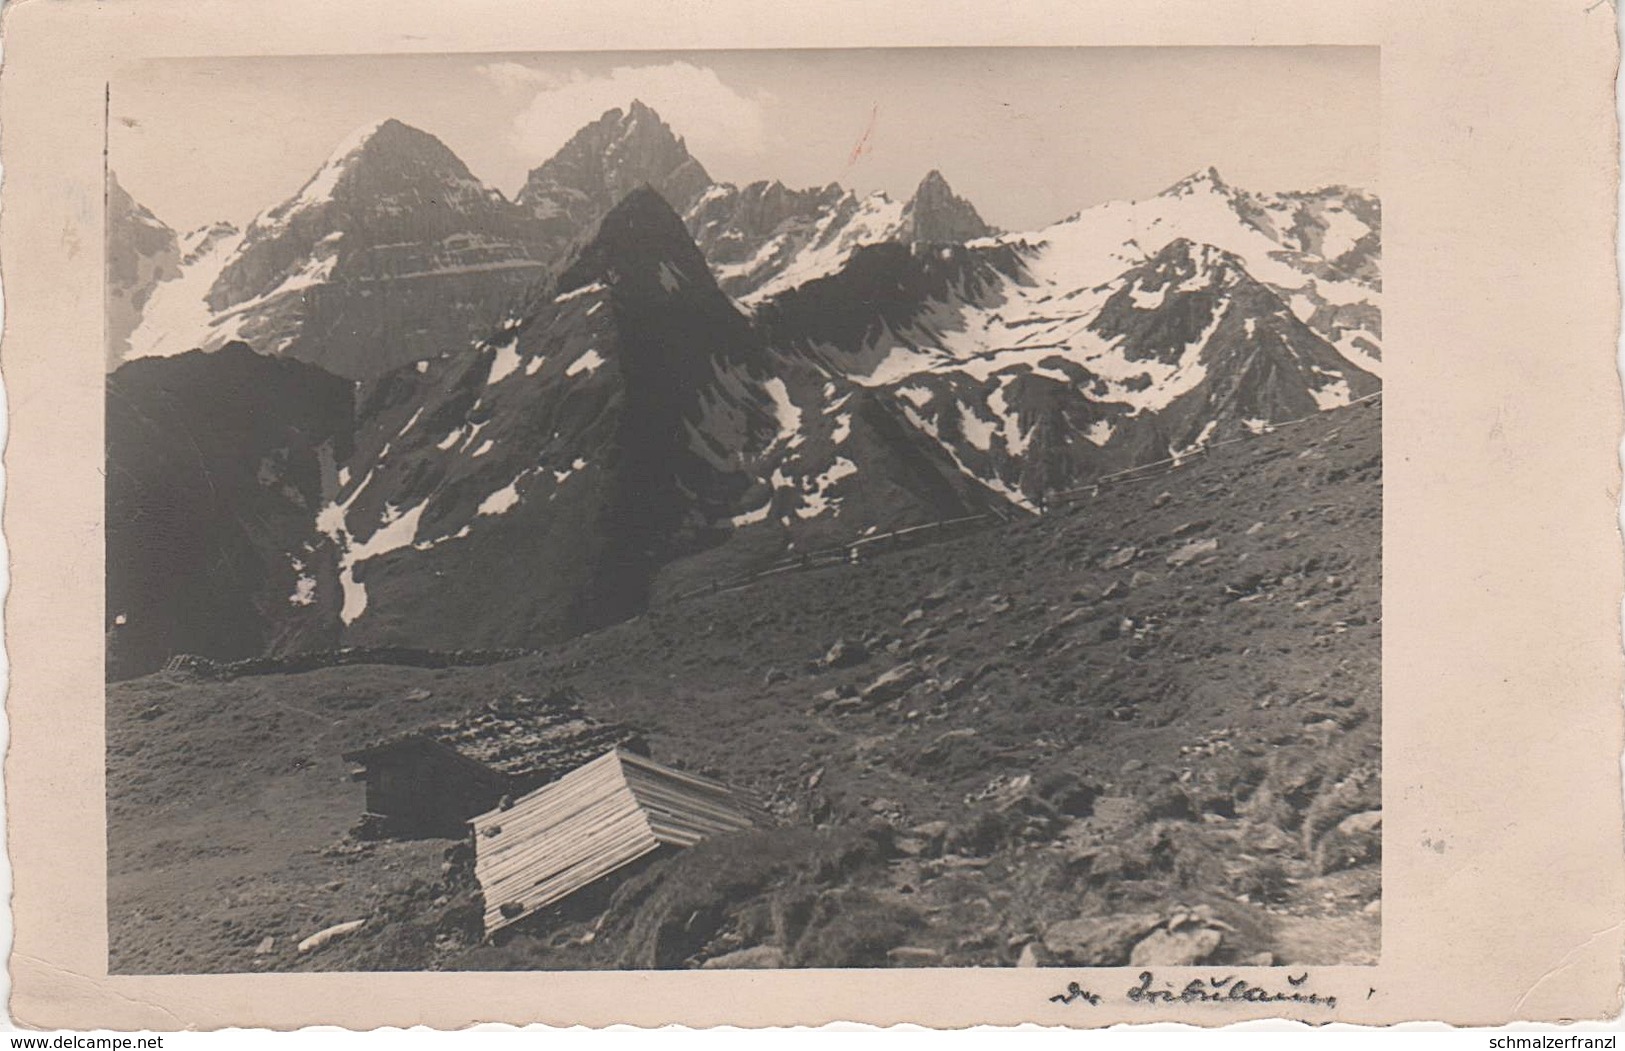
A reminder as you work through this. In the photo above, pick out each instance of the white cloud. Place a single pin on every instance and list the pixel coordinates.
(713, 117)
(513, 76)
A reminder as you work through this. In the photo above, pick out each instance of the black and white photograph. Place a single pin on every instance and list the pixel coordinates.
(804, 509)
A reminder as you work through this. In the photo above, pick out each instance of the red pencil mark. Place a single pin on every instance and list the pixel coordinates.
(863, 143)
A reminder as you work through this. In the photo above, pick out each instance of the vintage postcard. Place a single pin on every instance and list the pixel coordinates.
(973, 518)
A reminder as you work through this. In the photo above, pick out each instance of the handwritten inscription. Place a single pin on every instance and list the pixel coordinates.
(1225, 989)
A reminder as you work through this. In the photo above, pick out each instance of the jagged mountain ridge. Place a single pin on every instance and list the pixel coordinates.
(617, 416)
(393, 251)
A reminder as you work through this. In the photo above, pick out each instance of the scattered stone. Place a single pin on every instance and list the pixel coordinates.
(1192, 551)
(933, 834)
(914, 616)
(757, 957)
(1258, 959)
(1255, 529)
(1192, 527)
(266, 945)
(1162, 499)
(1140, 579)
(1373, 907)
(1098, 941)
(1116, 589)
(327, 934)
(775, 675)
(1184, 948)
(1033, 954)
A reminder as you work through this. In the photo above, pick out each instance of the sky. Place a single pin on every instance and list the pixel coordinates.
(1029, 135)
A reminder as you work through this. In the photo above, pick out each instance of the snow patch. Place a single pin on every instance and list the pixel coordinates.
(784, 410)
(505, 363)
(502, 501)
(1332, 396)
(843, 428)
(977, 431)
(585, 290)
(590, 362)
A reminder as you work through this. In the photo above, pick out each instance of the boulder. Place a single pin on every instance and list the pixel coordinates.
(846, 653)
(757, 957)
(893, 683)
(1192, 551)
(1182, 948)
(1098, 941)
(1356, 840)
(1119, 558)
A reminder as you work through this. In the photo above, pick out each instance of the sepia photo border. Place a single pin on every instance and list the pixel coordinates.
(1504, 897)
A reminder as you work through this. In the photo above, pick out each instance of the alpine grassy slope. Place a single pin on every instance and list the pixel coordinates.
(1143, 726)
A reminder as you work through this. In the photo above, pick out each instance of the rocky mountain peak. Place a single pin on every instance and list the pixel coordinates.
(384, 159)
(608, 159)
(1207, 180)
(935, 213)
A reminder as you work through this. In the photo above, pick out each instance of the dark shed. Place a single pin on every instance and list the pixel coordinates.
(430, 781)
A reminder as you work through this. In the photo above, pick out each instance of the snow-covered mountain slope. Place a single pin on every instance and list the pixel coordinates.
(142, 254)
(1319, 251)
(1033, 384)
(390, 252)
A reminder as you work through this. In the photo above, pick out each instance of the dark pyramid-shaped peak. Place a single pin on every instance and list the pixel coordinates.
(641, 249)
(611, 157)
(936, 214)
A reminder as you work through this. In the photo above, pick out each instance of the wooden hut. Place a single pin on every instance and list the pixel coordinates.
(594, 822)
(429, 782)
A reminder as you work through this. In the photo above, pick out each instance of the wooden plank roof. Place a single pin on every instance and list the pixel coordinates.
(591, 822)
